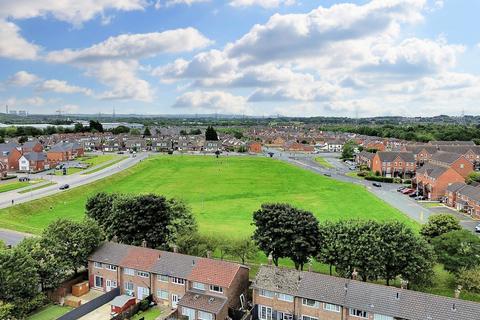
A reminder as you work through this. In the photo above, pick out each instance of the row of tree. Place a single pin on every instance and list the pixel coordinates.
(43, 262)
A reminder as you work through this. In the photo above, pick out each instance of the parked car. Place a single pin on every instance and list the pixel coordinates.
(413, 194)
(24, 179)
(401, 188)
(477, 228)
(327, 174)
(420, 198)
(412, 191)
(64, 187)
(407, 190)
(376, 184)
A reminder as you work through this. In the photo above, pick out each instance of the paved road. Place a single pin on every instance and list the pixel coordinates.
(388, 192)
(74, 180)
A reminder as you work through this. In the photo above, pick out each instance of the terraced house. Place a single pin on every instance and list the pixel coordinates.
(465, 198)
(286, 294)
(394, 164)
(198, 288)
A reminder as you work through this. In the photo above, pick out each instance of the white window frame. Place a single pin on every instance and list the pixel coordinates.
(284, 316)
(97, 265)
(129, 272)
(110, 267)
(381, 317)
(160, 296)
(178, 281)
(216, 289)
(143, 274)
(305, 302)
(304, 317)
(95, 281)
(285, 297)
(266, 293)
(353, 313)
(162, 278)
(268, 312)
(202, 315)
(199, 286)
(331, 307)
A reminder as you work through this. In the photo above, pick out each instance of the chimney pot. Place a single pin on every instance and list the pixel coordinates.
(115, 239)
(270, 259)
(209, 254)
(144, 243)
(457, 292)
(354, 274)
(175, 248)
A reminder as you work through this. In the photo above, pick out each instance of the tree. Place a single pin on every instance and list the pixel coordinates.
(348, 150)
(146, 132)
(120, 129)
(73, 241)
(457, 250)
(438, 225)
(195, 132)
(285, 231)
(211, 134)
(95, 126)
(22, 139)
(328, 251)
(470, 280)
(473, 177)
(133, 219)
(243, 249)
(134, 132)
(195, 244)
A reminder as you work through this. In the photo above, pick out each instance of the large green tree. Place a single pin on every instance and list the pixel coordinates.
(133, 219)
(348, 150)
(457, 250)
(243, 249)
(439, 224)
(285, 231)
(211, 134)
(73, 241)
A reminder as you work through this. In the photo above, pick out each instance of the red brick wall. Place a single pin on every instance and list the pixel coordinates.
(13, 158)
(463, 166)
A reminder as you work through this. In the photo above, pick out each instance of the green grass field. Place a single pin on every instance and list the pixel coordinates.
(15, 184)
(38, 187)
(103, 165)
(324, 163)
(223, 193)
(50, 312)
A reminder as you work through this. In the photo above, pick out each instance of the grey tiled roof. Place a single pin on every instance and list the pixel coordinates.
(278, 279)
(446, 157)
(383, 300)
(197, 300)
(452, 143)
(111, 253)
(36, 156)
(416, 149)
(389, 156)
(454, 187)
(432, 170)
(471, 192)
(174, 264)
(365, 154)
(460, 149)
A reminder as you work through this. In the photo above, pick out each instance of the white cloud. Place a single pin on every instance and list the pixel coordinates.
(70, 108)
(60, 86)
(212, 101)
(171, 3)
(22, 79)
(261, 3)
(134, 46)
(25, 102)
(13, 45)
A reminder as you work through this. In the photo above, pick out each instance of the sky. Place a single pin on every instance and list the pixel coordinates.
(249, 57)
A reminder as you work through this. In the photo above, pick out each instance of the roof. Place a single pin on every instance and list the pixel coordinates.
(7, 147)
(416, 149)
(432, 170)
(454, 187)
(197, 300)
(471, 192)
(452, 143)
(446, 157)
(120, 301)
(217, 272)
(281, 280)
(368, 155)
(460, 149)
(174, 264)
(110, 253)
(30, 144)
(379, 299)
(140, 258)
(36, 156)
(389, 156)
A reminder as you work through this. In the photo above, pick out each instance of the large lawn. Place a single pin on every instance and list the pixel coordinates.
(50, 312)
(223, 193)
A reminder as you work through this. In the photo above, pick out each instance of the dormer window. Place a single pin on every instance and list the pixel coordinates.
(198, 286)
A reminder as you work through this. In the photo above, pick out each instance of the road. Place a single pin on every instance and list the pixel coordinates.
(388, 191)
(74, 180)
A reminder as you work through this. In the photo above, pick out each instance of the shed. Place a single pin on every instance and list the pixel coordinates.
(121, 303)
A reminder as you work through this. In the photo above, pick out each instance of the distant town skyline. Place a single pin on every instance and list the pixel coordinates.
(251, 57)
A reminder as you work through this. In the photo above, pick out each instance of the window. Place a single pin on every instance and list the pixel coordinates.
(162, 294)
(265, 313)
(285, 297)
(381, 317)
(198, 285)
(462, 166)
(162, 278)
(266, 294)
(143, 274)
(310, 303)
(284, 316)
(178, 281)
(111, 267)
(98, 265)
(216, 289)
(129, 272)
(331, 307)
(358, 313)
(128, 286)
(308, 318)
(204, 315)
(98, 282)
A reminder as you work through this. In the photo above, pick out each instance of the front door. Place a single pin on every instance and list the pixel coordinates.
(98, 282)
(111, 284)
(142, 292)
(174, 300)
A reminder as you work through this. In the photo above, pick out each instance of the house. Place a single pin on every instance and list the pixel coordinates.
(452, 143)
(293, 146)
(198, 288)
(432, 180)
(335, 145)
(455, 161)
(364, 158)
(421, 153)
(121, 303)
(64, 151)
(278, 142)
(211, 146)
(32, 146)
(163, 144)
(13, 157)
(135, 145)
(464, 198)
(255, 147)
(394, 164)
(287, 294)
(33, 162)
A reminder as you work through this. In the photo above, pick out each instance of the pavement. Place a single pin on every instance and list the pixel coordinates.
(388, 191)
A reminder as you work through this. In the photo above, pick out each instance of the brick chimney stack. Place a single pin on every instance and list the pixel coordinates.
(144, 243)
(354, 274)
(270, 259)
(457, 292)
(209, 254)
(175, 248)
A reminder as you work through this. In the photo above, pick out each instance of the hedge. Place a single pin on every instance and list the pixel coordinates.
(379, 179)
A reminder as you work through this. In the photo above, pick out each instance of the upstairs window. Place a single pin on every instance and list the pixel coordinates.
(285, 297)
(98, 265)
(358, 313)
(217, 289)
(179, 281)
(198, 286)
(310, 303)
(266, 294)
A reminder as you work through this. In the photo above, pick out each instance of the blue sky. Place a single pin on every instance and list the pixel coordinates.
(256, 57)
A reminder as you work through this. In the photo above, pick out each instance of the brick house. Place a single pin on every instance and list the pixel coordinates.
(464, 198)
(32, 146)
(364, 158)
(64, 151)
(13, 157)
(255, 147)
(452, 143)
(287, 294)
(293, 146)
(394, 164)
(432, 180)
(199, 288)
(452, 160)
(33, 162)
(421, 153)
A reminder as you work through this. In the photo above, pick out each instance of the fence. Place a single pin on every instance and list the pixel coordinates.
(91, 305)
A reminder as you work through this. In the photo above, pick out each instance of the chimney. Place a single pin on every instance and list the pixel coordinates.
(354, 274)
(209, 254)
(144, 243)
(457, 292)
(404, 284)
(270, 259)
(115, 239)
(175, 248)
(310, 266)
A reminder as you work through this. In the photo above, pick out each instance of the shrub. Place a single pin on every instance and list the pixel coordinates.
(144, 304)
(397, 180)
(363, 173)
(439, 224)
(470, 280)
(379, 179)
(407, 181)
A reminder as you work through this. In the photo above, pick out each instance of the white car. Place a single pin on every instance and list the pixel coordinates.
(477, 228)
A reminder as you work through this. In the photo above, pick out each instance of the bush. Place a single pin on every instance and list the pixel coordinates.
(144, 304)
(470, 280)
(379, 179)
(439, 224)
(397, 180)
(407, 181)
(363, 173)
